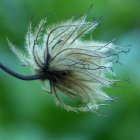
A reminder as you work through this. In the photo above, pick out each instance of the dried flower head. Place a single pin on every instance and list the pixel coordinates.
(69, 67)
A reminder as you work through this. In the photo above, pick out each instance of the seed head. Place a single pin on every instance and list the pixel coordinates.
(73, 69)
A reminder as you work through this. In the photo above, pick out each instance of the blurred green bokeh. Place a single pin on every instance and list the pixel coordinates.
(28, 113)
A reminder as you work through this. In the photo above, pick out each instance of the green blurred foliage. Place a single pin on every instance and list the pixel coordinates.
(28, 113)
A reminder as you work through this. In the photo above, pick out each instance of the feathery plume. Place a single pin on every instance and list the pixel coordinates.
(69, 67)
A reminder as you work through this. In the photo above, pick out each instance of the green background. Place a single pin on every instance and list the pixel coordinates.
(28, 113)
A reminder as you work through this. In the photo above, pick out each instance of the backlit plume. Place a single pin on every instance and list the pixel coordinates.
(74, 70)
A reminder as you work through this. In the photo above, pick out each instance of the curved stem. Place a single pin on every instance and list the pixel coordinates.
(19, 76)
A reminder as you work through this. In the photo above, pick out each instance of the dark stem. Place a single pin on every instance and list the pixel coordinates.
(19, 76)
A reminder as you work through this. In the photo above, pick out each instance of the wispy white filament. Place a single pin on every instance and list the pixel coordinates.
(75, 68)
